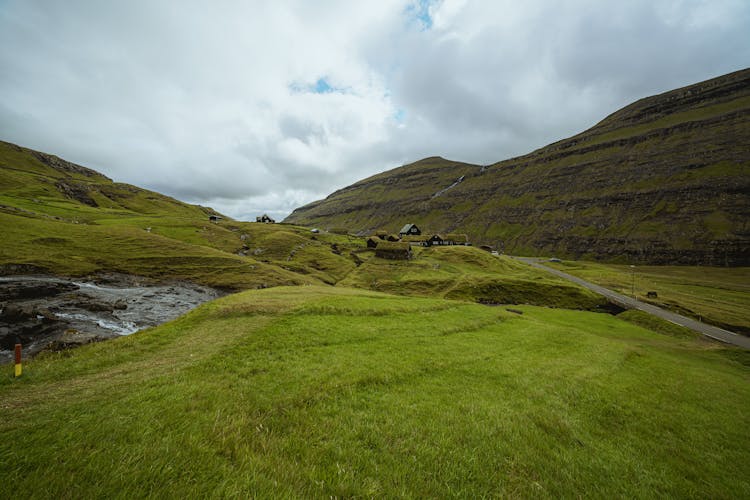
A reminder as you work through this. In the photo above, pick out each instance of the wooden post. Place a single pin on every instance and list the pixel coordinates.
(19, 367)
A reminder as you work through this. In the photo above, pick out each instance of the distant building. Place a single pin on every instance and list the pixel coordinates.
(456, 239)
(215, 218)
(410, 230)
(420, 240)
(372, 242)
(265, 219)
(393, 250)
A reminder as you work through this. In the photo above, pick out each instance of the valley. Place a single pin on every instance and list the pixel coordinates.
(294, 360)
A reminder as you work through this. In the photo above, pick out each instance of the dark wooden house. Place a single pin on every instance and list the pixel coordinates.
(265, 219)
(410, 230)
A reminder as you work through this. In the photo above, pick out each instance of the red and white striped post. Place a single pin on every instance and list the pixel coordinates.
(19, 367)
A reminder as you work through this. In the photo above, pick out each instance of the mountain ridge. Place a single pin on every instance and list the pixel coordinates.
(661, 180)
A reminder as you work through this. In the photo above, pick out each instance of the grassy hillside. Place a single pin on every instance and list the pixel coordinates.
(62, 218)
(321, 391)
(662, 181)
(467, 273)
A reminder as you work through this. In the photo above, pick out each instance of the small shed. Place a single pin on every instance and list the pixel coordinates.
(392, 237)
(381, 234)
(372, 242)
(456, 239)
(214, 218)
(393, 250)
(410, 230)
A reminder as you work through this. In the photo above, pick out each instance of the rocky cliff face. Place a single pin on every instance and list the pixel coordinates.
(663, 180)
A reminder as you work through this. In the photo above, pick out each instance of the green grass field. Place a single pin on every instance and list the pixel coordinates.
(394, 382)
(334, 392)
(717, 295)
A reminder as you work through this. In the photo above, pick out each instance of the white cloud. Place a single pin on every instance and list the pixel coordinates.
(263, 106)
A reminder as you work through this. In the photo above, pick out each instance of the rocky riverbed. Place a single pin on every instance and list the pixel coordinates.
(53, 313)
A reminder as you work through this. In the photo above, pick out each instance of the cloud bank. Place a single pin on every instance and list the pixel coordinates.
(255, 107)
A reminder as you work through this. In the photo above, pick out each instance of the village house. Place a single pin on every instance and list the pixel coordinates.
(420, 240)
(411, 235)
(410, 230)
(456, 239)
(214, 218)
(265, 219)
(393, 250)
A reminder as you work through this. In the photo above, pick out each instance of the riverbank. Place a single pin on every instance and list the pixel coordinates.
(54, 313)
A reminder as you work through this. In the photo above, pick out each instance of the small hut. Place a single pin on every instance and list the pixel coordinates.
(372, 242)
(393, 250)
(456, 239)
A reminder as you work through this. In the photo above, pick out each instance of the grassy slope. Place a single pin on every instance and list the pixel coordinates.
(312, 391)
(59, 233)
(717, 295)
(467, 273)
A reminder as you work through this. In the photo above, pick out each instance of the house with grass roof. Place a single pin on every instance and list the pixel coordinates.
(398, 250)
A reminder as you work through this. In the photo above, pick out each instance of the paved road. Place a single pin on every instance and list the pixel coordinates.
(630, 303)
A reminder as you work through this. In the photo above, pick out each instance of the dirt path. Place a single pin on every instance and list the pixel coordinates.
(630, 303)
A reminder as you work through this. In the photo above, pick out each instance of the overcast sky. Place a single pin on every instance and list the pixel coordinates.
(263, 106)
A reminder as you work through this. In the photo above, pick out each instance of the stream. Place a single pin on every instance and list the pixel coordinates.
(53, 313)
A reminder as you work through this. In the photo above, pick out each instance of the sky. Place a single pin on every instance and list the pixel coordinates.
(255, 107)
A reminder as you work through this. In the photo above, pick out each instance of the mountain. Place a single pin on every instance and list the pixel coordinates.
(663, 180)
